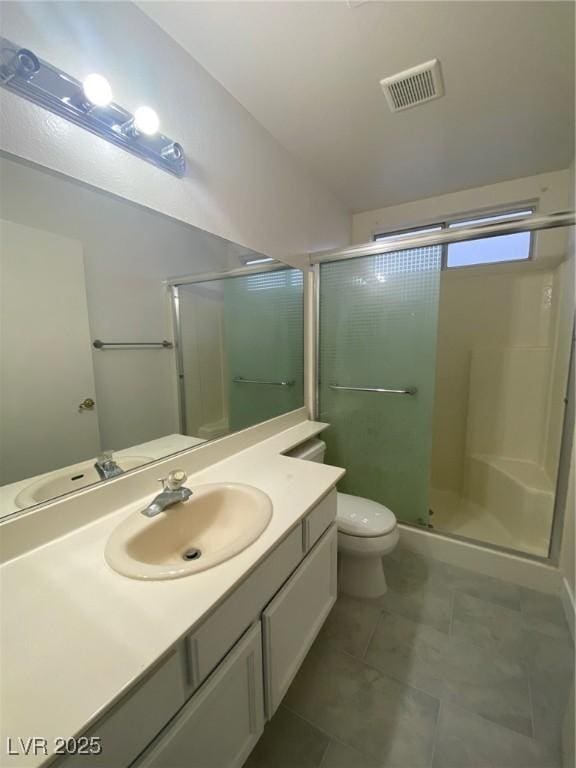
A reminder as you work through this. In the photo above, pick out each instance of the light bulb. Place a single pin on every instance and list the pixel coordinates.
(146, 121)
(261, 260)
(97, 90)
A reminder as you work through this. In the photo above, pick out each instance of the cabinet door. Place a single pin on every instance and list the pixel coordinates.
(294, 617)
(222, 722)
(208, 644)
(130, 725)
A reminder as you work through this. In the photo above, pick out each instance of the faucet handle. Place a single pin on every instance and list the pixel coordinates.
(175, 480)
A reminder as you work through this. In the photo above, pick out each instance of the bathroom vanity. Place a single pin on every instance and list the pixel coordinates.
(225, 678)
(177, 672)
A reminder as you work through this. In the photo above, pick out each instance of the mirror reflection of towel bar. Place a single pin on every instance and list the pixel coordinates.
(137, 344)
(240, 380)
(406, 391)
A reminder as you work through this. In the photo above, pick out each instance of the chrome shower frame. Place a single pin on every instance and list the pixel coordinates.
(173, 286)
(532, 223)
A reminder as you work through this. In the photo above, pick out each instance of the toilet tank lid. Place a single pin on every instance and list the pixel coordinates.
(363, 517)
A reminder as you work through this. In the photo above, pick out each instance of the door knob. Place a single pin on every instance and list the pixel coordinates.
(86, 405)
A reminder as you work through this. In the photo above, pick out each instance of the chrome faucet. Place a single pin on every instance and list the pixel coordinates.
(106, 466)
(173, 492)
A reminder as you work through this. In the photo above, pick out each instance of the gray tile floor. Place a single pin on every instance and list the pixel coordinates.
(450, 669)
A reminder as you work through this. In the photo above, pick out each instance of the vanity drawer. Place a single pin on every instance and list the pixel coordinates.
(131, 724)
(209, 644)
(317, 521)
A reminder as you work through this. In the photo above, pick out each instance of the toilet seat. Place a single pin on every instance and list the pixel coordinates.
(363, 518)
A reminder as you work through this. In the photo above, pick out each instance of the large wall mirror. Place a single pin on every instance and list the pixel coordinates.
(125, 331)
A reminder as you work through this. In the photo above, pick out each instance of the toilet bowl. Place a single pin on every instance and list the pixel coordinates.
(367, 531)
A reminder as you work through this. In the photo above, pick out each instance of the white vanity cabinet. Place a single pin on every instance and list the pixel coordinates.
(127, 727)
(205, 705)
(220, 725)
(224, 719)
(292, 620)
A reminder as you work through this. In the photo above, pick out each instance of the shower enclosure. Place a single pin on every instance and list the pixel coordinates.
(378, 318)
(445, 389)
(239, 348)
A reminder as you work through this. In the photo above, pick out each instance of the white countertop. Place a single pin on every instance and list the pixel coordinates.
(76, 634)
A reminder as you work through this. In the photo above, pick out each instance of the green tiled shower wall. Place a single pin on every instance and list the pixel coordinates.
(264, 339)
(378, 322)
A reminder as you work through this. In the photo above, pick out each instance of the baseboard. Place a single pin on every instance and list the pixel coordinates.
(568, 604)
(502, 565)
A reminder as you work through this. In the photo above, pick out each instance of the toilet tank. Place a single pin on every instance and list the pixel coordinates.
(311, 450)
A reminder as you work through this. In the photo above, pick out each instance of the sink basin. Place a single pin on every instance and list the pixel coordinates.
(70, 479)
(216, 523)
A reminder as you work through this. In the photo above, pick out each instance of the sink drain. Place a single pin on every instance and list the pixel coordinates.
(192, 554)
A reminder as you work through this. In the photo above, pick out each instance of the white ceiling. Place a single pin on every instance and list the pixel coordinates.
(310, 72)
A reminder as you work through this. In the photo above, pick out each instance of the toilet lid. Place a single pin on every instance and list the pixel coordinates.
(362, 517)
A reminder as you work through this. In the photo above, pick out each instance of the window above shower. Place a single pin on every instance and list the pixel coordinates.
(476, 253)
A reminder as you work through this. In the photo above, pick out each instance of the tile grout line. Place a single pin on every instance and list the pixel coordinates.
(452, 604)
(436, 733)
(336, 740)
(372, 633)
(514, 615)
(439, 698)
(457, 704)
(380, 671)
(396, 612)
(323, 758)
(312, 725)
(531, 701)
(329, 736)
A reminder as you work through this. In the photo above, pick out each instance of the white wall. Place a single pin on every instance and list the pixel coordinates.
(241, 183)
(495, 339)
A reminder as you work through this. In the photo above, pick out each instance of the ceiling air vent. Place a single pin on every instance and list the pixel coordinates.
(413, 86)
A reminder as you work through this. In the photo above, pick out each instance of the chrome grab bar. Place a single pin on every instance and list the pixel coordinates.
(98, 344)
(240, 380)
(406, 391)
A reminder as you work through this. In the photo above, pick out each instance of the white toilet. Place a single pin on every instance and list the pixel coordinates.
(366, 532)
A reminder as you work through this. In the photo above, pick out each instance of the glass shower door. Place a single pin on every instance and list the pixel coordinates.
(378, 318)
(264, 341)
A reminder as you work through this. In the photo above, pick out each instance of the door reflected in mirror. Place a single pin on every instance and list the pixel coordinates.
(126, 332)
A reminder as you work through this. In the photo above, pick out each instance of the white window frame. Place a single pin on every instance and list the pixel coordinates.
(479, 216)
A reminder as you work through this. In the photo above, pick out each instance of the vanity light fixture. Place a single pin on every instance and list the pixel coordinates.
(89, 104)
(20, 63)
(260, 260)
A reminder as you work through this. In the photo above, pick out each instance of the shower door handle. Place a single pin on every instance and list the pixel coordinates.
(240, 380)
(406, 391)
